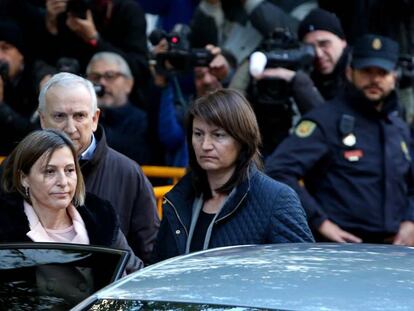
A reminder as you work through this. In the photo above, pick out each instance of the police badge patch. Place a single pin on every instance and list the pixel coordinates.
(305, 128)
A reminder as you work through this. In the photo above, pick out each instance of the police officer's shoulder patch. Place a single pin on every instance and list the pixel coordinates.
(305, 128)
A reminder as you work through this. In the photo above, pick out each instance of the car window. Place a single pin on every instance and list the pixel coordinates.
(53, 276)
(136, 305)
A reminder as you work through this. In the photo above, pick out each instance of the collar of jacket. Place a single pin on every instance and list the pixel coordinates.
(183, 195)
(99, 217)
(357, 100)
(12, 204)
(101, 149)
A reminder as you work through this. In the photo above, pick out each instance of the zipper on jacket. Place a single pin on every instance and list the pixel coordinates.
(232, 212)
(178, 216)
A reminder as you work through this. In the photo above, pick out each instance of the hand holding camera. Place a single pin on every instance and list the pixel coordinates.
(79, 17)
(219, 66)
(173, 53)
(53, 9)
(84, 28)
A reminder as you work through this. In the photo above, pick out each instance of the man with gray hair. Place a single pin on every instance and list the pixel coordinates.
(68, 102)
(126, 126)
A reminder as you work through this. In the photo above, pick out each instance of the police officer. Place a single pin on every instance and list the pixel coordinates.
(349, 160)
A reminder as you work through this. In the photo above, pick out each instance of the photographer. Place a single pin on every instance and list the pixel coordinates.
(280, 88)
(125, 124)
(323, 30)
(237, 26)
(81, 28)
(173, 103)
(17, 92)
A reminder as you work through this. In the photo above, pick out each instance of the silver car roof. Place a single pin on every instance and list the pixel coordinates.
(282, 276)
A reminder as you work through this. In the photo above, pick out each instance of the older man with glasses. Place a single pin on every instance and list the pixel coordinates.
(126, 126)
(68, 102)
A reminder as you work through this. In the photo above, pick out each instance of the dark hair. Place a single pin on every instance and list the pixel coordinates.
(28, 151)
(229, 110)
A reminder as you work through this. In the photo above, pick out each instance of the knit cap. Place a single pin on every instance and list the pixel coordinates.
(319, 19)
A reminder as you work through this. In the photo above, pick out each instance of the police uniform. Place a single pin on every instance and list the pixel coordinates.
(355, 165)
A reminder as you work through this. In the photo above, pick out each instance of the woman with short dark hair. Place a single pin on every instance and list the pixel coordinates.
(43, 198)
(225, 199)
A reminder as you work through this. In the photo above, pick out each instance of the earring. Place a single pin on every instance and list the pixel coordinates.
(26, 190)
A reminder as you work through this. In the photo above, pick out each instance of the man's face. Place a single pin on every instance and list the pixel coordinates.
(70, 110)
(11, 55)
(329, 48)
(205, 82)
(117, 85)
(376, 83)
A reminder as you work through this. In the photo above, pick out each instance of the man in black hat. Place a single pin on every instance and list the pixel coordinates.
(323, 30)
(349, 160)
(17, 90)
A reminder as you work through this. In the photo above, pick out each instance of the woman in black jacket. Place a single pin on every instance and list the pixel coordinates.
(43, 198)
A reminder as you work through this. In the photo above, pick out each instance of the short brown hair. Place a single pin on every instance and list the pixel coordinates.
(28, 151)
(229, 110)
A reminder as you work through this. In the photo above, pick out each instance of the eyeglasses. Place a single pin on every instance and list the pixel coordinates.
(109, 76)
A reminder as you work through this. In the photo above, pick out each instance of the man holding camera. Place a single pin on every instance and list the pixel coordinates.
(323, 30)
(81, 28)
(125, 124)
(17, 93)
(173, 104)
(349, 160)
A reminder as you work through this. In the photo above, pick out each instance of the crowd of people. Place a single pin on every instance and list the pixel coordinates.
(294, 125)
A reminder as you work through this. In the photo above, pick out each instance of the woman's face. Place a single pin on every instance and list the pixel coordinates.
(52, 185)
(215, 149)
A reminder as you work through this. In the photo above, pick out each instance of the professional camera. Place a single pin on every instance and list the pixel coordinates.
(4, 70)
(279, 50)
(78, 7)
(179, 55)
(272, 97)
(282, 50)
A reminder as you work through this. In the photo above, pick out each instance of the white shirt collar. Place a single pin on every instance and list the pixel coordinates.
(88, 153)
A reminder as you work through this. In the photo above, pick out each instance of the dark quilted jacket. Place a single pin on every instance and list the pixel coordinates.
(262, 211)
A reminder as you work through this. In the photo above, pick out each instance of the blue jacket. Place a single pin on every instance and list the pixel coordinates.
(259, 211)
(358, 176)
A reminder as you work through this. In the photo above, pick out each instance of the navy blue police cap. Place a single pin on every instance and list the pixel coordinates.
(375, 51)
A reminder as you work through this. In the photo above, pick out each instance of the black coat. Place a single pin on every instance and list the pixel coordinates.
(100, 220)
(112, 176)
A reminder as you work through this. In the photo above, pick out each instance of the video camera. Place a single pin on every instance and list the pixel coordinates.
(282, 50)
(179, 55)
